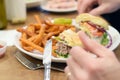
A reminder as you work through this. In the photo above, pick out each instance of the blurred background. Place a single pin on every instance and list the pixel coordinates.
(16, 11)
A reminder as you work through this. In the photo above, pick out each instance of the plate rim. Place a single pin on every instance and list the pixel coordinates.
(59, 10)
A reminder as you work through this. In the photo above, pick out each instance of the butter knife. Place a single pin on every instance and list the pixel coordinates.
(47, 59)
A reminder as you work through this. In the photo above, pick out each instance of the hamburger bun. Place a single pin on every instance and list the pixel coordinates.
(70, 38)
(97, 20)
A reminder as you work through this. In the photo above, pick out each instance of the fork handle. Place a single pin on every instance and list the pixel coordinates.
(55, 68)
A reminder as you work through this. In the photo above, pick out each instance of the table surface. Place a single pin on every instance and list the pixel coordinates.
(12, 69)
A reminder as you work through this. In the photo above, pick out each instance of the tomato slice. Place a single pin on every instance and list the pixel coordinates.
(94, 31)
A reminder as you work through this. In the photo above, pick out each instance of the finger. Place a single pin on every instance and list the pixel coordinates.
(92, 45)
(79, 5)
(83, 7)
(77, 72)
(81, 56)
(68, 74)
(102, 9)
(86, 6)
(66, 70)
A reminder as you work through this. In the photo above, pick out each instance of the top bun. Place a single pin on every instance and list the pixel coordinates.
(97, 20)
(70, 37)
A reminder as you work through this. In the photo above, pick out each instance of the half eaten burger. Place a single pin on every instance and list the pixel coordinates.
(95, 27)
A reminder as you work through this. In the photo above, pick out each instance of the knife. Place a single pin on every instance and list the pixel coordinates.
(47, 59)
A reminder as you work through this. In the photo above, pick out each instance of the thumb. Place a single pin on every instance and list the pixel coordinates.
(102, 9)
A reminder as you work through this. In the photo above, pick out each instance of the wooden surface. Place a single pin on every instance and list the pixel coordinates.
(12, 69)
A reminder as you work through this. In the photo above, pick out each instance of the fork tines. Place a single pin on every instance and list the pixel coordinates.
(25, 61)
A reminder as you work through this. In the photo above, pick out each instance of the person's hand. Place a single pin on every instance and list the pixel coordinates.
(83, 65)
(104, 6)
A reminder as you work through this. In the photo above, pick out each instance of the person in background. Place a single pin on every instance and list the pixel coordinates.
(109, 9)
(94, 62)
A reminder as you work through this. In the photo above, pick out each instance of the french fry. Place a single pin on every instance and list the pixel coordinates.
(28, 48)
(54, 42)
(24, 36)
(36, 25)
(31, 30)
(49, 35)
(37, 47)
(51, 29)
(38, 39)
(39, 21)
(62, 28)
(32, 38)
(54, 54)
(72, 28)
(25, 31)
(48, 22)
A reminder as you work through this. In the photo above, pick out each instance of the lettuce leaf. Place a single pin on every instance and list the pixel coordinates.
(105, 39)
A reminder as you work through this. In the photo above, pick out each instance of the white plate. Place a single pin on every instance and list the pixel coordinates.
(59, 10)
(112, 31)
(115, 37)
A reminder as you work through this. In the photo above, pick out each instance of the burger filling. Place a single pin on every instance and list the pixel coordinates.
(95, 32)
(65, 41)
(62, 50)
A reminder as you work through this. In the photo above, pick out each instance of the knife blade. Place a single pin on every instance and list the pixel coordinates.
(47, 59)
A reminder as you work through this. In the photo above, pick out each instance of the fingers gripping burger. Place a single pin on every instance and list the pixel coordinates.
(95, 27)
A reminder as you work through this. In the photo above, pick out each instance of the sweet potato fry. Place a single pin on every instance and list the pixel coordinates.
(54, 54)
(53, 51)
(28, 48)
(36, 25)
(49, 35)
(48, 22)
(52, 29)
(32, 38)
(31, 30)
(37, 47)
(73, 28)
(25, 31)
(62, 28)
(24, 36)
(38, 39)
(39, 21)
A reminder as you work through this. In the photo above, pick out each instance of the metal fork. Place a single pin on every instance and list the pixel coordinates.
(30, 65)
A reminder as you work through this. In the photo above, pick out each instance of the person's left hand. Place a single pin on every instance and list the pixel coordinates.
(98, 7)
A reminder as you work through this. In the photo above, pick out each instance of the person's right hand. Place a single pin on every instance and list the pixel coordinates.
(104, 6)
(82, 65)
